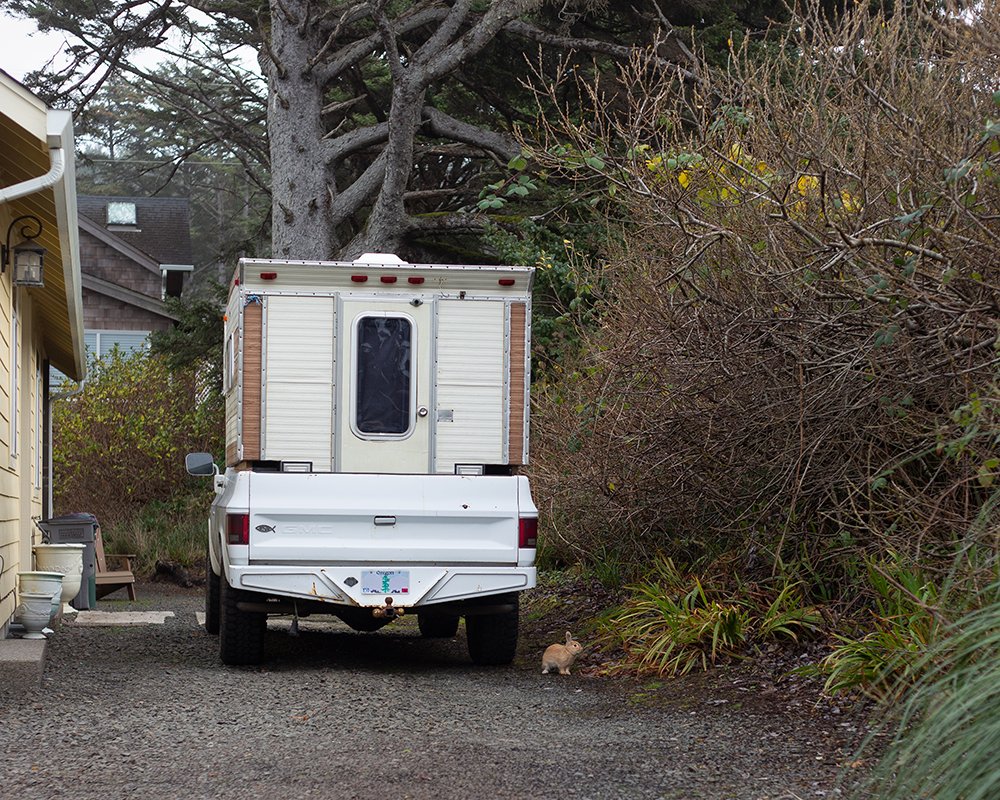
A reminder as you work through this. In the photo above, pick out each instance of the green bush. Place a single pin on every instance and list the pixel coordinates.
(118, 450)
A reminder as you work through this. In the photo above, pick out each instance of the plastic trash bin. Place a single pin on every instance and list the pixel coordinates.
(77, 529)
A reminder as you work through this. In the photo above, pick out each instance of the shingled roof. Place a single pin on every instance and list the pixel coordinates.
(162, 229)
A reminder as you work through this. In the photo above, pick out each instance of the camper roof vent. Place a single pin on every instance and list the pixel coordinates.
(379, 258)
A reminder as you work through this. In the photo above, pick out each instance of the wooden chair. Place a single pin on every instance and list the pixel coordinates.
(109, 581)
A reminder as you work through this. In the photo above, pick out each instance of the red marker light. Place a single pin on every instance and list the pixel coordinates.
(506, 281)
(388, 279)
(415, 281)
(359, 278)
(268, 276)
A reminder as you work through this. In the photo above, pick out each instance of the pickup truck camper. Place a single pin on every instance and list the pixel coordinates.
(376, 421)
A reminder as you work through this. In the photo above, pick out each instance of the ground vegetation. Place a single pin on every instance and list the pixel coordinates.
(792, 378)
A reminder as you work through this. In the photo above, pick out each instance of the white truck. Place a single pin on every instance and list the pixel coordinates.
(376, 421)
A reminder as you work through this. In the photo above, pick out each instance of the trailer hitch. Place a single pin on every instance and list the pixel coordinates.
(388, 611)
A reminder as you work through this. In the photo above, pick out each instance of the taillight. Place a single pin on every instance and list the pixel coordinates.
(238, 528)
(527, 532)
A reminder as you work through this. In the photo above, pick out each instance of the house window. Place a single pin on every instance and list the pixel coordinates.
(121, 214)
(101, 343)
(383, 376)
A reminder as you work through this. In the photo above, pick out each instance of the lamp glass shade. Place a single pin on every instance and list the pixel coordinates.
(28, 260)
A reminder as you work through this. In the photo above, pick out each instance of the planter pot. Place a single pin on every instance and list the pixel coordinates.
(34, 613)
(66, 559)
(42, 583)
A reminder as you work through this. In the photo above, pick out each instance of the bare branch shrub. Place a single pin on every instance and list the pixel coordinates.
(798, 354)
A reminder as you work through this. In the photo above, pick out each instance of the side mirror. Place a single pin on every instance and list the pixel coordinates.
(200, 464)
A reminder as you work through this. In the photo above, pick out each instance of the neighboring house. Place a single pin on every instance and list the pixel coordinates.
(39, 324)
(134, 252)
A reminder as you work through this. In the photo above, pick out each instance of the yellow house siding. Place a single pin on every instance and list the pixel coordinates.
(33, 141)
(10, 539)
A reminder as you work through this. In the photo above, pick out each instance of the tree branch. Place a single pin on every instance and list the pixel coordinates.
(360, 138)
(363, 48)
(499, 14)
(620, 52)
(444, 126)
(354, 196)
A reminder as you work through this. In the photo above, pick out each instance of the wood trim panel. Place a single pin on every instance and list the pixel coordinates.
(518, 342)
(252, 344)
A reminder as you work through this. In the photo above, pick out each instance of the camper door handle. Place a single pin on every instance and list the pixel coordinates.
(422, 411)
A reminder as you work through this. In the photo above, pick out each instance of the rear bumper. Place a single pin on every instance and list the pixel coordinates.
(342, 585)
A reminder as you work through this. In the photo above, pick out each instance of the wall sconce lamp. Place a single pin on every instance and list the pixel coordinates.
(27, 257)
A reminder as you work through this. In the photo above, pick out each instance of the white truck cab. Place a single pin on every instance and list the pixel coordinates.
(376, 420)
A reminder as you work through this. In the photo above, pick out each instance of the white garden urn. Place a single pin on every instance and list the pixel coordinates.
(66, 559)
(49, 583)
(34, 613)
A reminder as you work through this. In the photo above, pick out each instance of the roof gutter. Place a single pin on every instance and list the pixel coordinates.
(57, 168)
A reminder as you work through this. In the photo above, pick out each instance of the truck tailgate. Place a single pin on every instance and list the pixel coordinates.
(336, 518)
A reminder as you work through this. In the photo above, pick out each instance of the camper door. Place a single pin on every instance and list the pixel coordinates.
(385, 384)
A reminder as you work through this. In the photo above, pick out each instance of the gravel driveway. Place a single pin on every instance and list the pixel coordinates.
(149, 712)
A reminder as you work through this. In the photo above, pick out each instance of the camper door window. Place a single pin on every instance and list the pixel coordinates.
(384, 373)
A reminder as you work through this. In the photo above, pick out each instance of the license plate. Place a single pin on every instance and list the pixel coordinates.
(385, 581)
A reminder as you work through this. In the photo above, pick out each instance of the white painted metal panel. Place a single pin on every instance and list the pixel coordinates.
(299, 380)
(416, 519)
(437, 279)
(470, 383)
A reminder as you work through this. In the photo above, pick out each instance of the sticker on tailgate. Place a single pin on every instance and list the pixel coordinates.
(385, 581)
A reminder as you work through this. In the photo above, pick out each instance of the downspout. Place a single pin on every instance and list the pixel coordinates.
(57, 161)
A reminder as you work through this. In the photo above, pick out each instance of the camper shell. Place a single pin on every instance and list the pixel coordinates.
(376, 421)
(309, 379)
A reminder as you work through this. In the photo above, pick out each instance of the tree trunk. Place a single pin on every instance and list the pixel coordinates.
(302, 181)
(387, 221)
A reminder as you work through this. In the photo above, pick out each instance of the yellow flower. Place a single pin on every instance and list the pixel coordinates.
(684, 179)
(851, 204)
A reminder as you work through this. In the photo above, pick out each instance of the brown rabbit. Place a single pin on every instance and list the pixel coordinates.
(561, 656)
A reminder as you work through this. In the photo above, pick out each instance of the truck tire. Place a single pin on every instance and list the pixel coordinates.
(492, 638)
(438, 626)
(212, 582)
(241, 633)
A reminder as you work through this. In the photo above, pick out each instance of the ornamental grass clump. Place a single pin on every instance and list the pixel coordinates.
(673, 624)
(943, 744)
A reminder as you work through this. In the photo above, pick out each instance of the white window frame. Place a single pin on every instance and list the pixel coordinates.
(355, 360)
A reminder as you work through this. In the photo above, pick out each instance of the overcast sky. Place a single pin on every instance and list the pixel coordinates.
(24, 48)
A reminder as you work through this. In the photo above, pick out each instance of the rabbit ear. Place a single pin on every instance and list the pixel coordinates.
(569, 637)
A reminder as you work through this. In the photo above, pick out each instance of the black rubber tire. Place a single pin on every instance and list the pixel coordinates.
(492, 638)
(438, 626)
(212, 589)
(241, 633)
